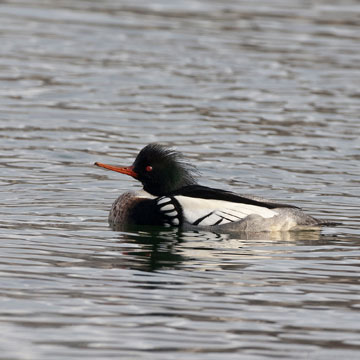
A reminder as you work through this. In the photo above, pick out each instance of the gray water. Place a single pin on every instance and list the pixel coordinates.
(263, 96)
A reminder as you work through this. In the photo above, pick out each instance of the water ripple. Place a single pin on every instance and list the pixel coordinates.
(262, 96)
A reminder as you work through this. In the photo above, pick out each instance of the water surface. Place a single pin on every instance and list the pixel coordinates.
(263, 96)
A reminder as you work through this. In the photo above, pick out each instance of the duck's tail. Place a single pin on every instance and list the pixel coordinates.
(328, 223)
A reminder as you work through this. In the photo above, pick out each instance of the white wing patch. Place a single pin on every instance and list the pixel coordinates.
(209, 212)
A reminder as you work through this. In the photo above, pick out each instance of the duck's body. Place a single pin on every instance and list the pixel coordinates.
(190, 212)
(171, 197)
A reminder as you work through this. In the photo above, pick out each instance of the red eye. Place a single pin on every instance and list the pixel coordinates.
(148, 168)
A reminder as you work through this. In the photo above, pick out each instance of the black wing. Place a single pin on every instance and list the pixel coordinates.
(204, 192)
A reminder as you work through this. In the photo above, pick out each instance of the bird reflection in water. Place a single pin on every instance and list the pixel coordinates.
(150, 249)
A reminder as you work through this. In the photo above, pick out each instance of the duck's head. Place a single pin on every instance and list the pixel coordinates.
(161, 170)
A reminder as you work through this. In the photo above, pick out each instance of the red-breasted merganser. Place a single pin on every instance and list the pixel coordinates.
(171, 197)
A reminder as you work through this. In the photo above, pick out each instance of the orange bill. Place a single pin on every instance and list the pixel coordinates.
(128, 170)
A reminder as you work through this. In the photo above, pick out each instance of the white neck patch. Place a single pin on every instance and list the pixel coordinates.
(144, 194)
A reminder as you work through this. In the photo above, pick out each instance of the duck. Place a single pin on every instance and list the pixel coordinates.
(171, 197)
